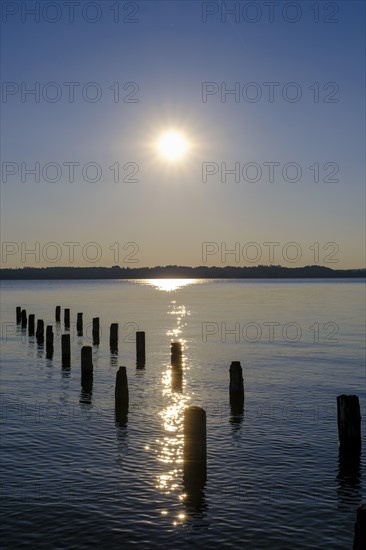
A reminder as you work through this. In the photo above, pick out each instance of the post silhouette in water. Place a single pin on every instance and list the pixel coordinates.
(66, 350)
(19, 315)
(121, 396)
(359, 541)
(24, 318)
(349, 423)
(140, 349)
(79, 324)
(113, 337)
(49, 341)
(58, 314)
(236, 389)
(96, 331)
(67, 318)
(31, 321)
(40, 332)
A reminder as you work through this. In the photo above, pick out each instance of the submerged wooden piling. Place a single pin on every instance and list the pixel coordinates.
(58, 314)
(40, 331)
(359, 540)
(79, 324)
(31, 321)
(140, 348)
(24, 318)
(18, 314)
(349, 423)
(96, 331)
(66, 350)
(121, 396)
(113, 337)
(194, 447)
(67, 318)
(86, 361)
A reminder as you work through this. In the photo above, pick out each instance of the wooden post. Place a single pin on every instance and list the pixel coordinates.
(96, 331)
(86, 361)
(40, 331)
(31, 324)
(65, 350)
(49, 335)
(176, 354)
(113, 337)
(349, 423)
(67, 318)
(49, 342)
(19, 315)
(359, 541)
(121, 396)
(140, 348)
(79, 324)
(194, 447)
(58, 314)
(236, 380)
(24, 318)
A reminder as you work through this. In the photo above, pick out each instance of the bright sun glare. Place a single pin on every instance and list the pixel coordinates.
(172, 145)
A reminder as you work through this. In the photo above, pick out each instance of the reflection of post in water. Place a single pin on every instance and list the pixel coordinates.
(194, 457)
(236, 393)
(176, 355)
(86, 374)
(121, 396)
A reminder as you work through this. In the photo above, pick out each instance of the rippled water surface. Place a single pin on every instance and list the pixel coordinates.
(73, 478)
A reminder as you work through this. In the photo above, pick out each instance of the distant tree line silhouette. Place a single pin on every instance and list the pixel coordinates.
(183, 272)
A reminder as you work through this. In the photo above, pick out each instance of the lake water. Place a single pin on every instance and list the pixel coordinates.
(74, 478)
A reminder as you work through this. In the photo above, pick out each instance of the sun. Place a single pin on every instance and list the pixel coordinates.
(172, 145)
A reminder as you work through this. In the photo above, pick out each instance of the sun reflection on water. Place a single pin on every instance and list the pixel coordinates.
(170, 447)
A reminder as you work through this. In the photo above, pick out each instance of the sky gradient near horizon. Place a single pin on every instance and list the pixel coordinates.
(297, 114)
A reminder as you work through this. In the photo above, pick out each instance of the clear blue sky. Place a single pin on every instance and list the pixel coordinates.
(168, 53)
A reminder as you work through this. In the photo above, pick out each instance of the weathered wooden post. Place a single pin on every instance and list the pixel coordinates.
(359, 540)
(24, 318)
(236, 389)
(49, 342)
(86, 361)
(96, 331)
(349, 423)
(86, 373)
(176, 353)
(66, 350)
(140, 349)
(40, 331)
(67, 318)
(194, 447)
(113, 337)
(79, 324)
(58, 314)
(121, 396)
(19, 315)
(31, 324)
